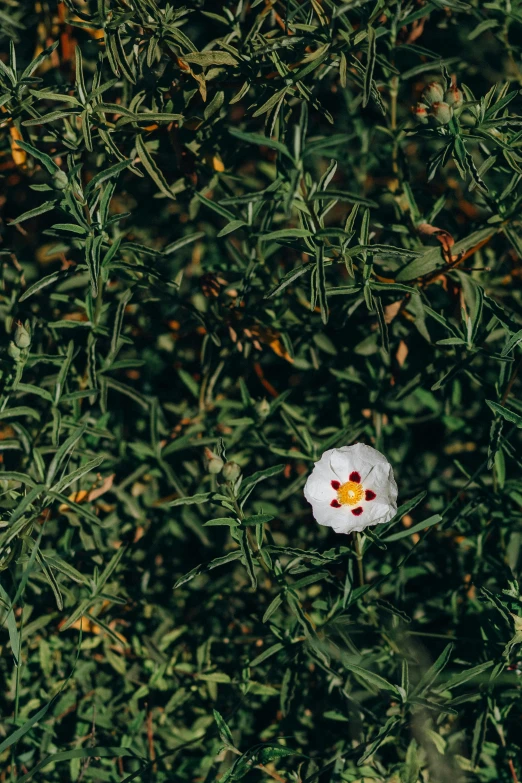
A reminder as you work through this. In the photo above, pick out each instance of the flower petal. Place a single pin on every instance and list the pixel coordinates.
(378, 513)
(362, 452)
(381, 481)
(328, 516)
(341, 464)
(359, 457)
(319, 484)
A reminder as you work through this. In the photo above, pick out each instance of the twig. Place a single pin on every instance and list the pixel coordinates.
(87, 761)
(511, 381)
(150, 740)
(512, 770)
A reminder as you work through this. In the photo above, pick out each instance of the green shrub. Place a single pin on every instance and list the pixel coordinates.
(227, 238)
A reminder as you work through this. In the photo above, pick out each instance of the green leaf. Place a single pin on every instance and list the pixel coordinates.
(20, 410)
(432, 260)
(224, 731)
(173, 247)
(110, 568)
(455, 680)
(77, 474)
(38, 60)
(204, 59)
(152, 169)
(79, 753)
(371, 678)
(250, 481)
(247, 556)
(47, 206)
(370, 65)
(479, 735)
(273, 752)
(66, 568)
(72, 227)
(230, 227)
(12, 629)
(215, 207)
(63, 452)
(257, 138)
(273, 607)
(110, 173)
(289, 278)
(47, 161)
(203, 568)
(43, 282)
(430, 676)
(228, 521)
(272, 650)
(406, 507)
(385, 731)
(409, 531)
(202, 497)
(271, 102)
(51, 117)
(499, 410)
(321, 283)
(343, 195)
(512, 343)
(14, 475)
(257, 519)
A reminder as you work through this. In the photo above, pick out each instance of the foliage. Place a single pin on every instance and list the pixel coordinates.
(226, 237)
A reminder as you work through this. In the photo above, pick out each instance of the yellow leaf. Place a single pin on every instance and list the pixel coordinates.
(19, 155)
(76, 497)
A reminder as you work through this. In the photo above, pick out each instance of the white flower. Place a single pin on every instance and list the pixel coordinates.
(351, 488)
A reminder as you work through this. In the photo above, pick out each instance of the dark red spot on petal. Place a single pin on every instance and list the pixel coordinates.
(335, 485)
(354, 476)
(369, 494)
(336, 504)
(357, 511)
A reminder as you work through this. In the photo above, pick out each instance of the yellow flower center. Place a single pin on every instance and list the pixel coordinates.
(350, 493)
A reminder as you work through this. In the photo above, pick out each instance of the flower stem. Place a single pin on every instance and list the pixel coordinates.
(251, 536)
(359, 556)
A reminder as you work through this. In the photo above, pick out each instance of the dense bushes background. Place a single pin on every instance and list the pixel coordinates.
(223, 228)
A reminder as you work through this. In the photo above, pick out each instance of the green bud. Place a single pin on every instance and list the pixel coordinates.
(441, 112)
(433, 93)
(231, 471)
(263, 408)
(215, 465)
(420, 112)
(13, 351)
(6, 557)
(453, 97)
(60, 180)
(22, 337)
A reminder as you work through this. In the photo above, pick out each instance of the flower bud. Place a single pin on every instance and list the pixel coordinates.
(231, 471)
(22, 337)
(60, 180)
(441, 112)
(13, 351)
(453, 97)
(263, 408)
(215, 465)
(420, 112)
(433, 93)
